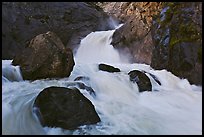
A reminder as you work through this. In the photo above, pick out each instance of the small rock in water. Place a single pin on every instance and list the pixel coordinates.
(108, 68)
(65, 108)
(141, 79)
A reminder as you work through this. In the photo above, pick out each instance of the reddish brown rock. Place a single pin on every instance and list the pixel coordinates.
(134, 36)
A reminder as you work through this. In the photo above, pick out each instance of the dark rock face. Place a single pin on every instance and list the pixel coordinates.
(71, 21)
(108, 68)
(45, 57)
(65, 108)
(177, 37)
(141, 79)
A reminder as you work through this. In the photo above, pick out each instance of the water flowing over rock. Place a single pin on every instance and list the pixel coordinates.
(11, 73)
(134, 37)
(82, 78)
(141, 79)
(81, 85)
(65, 108)
(108, 68)
(45, 57)
(71, 21)
(177, 37)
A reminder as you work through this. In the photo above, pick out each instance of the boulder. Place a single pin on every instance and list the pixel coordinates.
(141, 79)
(108, 68)
(65, 108)
(45, 57)
(71, 21)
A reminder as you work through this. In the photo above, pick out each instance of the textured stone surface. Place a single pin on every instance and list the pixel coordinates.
(134, 37)
(45, 57)
(177, 37)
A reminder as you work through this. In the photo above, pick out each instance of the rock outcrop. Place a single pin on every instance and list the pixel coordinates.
(45, 57)
(134, 37)
(177, 37)
(71, 21)
(65, 108)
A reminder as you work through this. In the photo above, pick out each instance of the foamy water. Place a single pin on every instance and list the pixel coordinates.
(175, 107)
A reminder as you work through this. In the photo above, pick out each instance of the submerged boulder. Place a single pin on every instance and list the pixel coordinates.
(65, 108)
(108, 68)
(45, 57)
(141, 79)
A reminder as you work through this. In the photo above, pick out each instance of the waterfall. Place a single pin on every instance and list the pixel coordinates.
(174, 107)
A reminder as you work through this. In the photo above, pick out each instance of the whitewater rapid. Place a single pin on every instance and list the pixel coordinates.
(175, 107)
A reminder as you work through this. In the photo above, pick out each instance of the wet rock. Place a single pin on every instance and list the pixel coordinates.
(65, 108)
(71, 21)
(108, 68)
(141, 79)
(45, 57)
(153, 76)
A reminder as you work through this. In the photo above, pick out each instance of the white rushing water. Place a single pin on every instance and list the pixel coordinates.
(175, 107)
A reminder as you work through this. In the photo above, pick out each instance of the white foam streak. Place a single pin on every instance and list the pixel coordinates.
(96, 48)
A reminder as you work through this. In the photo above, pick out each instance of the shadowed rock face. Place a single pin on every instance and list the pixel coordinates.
(177, 37)
(65, 108)
(45, 57)
(71, 21)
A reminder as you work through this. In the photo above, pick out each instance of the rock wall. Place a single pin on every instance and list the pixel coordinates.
(177, 37)
(71, 21)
